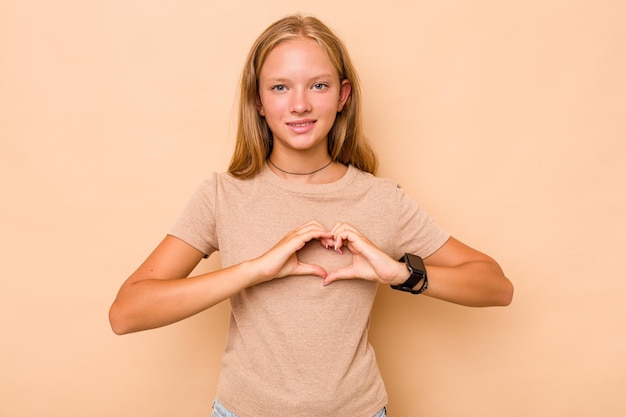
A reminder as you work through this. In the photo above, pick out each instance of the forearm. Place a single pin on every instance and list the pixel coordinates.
(150, 303)
(156, 294)
(475, 284)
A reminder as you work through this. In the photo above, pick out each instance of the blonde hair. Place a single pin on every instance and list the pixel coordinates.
(346, 142)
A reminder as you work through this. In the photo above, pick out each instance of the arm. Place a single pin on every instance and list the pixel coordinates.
(158, 294)
(456, 272)
(462, 275)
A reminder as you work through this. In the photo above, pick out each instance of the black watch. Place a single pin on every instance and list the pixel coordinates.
(416, 267)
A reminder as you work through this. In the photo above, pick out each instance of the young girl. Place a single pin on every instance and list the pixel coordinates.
(306, 233)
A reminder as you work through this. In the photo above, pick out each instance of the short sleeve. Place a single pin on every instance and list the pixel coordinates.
(418, 233)
(195, 223)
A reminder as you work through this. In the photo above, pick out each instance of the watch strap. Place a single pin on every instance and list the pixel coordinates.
(416, 267)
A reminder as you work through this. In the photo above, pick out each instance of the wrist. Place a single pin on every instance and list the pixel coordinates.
(255, 272)
(403, 274)
(417, 282)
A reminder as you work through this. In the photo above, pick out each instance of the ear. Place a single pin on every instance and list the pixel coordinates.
(344, 94)
(259, 106)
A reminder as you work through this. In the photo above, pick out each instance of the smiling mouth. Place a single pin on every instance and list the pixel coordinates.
(303, 124)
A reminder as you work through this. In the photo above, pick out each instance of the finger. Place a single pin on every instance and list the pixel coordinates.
(315, 234)
(338, 245)
(348, 238)
(300, 238)
(344, 233)
(290, 244)
(328, 243)
(311, 224)
(313, 229)
(339, 227)
(358, 243)
(310, 269)
(336, 228)
(339, 274)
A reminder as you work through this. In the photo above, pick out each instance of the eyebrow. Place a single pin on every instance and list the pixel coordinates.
(323, 75)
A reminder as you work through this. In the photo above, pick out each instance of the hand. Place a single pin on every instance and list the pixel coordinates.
(281, 260)
(368, 262)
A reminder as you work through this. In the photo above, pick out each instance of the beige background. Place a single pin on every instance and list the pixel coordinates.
(504, 119)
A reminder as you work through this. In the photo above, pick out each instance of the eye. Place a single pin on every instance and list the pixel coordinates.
(279, 88)
(320, 86)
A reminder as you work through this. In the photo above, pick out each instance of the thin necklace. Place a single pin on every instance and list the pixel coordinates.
(299, 173)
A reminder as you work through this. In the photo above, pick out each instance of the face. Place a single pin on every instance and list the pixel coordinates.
(300, 94)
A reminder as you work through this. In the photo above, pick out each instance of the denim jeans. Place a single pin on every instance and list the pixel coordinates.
(220, 411)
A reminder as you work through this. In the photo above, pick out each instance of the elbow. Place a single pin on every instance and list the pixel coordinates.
(118, 323)
(506, 294)
(502, 289)
(499, 294)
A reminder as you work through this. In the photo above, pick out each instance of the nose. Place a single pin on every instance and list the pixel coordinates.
(300, 102)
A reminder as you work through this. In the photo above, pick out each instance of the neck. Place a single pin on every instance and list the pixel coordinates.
(326, 165)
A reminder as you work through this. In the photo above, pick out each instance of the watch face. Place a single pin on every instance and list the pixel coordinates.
(416, 263)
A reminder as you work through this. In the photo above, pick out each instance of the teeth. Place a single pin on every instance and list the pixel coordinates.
(300, 124)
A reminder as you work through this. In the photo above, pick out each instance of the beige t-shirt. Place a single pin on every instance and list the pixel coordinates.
(296, 348)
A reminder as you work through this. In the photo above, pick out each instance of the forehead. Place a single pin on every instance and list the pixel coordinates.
(299, 55)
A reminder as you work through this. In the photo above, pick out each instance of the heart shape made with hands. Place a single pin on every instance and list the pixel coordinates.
(368, 261)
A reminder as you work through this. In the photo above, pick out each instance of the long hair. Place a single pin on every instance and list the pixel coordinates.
(346, 142)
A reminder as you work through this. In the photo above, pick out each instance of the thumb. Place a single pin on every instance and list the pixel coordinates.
(342, 273)
(310, 269)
